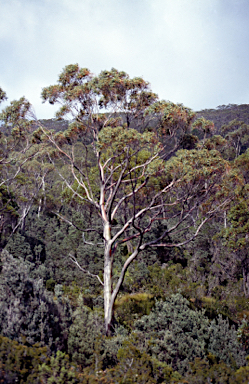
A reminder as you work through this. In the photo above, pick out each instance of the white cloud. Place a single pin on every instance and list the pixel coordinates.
(192, 51)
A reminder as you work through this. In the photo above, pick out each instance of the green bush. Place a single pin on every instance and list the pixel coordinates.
(58, 370)
(133, 366)
(176, 334)
(130, 307)
(213, 371)
(28, 310)
(87, 343)
(85, 333)
(223, 343)
(20, 363)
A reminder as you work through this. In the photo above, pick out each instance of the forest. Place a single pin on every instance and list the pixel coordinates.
(124, 227)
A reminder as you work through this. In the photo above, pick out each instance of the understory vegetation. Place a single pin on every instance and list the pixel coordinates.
(123, 237)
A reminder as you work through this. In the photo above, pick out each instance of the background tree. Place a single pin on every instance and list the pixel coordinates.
(237, 135)
(235, 233)
(16, 150)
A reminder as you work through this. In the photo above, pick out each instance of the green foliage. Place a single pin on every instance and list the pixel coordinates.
(133, 366)
(136, 366)
(18, 246)
(243, 333)
(242, 374)
(77, 89)
(28, 310)
(50, 284)
(173, 332)
(49, 241)
(198, 166)
(8, 201)
(85, 333)
(177, 335)
(2, 95)
(20, 363)
(209, 371)
(206, 127)
(9, 214)
(223, 343)
(58, 370)
(15, 117)
(87, 343)
(236, 234)
(130, 307)
(213, 371)
(237, 135)
(165, 280)
(216, 142)
(24, 364)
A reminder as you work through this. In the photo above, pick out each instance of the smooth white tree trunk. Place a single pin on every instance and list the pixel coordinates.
(108, 261)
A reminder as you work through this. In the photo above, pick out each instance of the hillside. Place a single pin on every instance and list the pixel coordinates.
(223, 114)
(124, 255)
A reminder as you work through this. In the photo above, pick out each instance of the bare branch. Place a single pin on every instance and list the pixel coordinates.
(141, 212)
(85, 270)
(90, 243)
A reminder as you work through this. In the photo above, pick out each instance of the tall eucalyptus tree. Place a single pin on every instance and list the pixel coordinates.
(119, 155)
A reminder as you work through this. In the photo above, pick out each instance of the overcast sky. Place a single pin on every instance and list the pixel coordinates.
(194, 52)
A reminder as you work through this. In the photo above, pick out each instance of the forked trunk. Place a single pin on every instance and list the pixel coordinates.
(111, 293)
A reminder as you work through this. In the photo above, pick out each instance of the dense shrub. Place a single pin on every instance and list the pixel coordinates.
(130, 307)
(85, 332)
(176, 334)
(58, 370)
(20, 363)
(28, 310)
(87, 343)
(223, 343)
(133, 366)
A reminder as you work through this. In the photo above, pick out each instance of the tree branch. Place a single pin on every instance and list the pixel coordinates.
(85, 270)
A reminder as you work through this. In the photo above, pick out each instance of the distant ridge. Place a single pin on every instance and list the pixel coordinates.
(223, 114)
